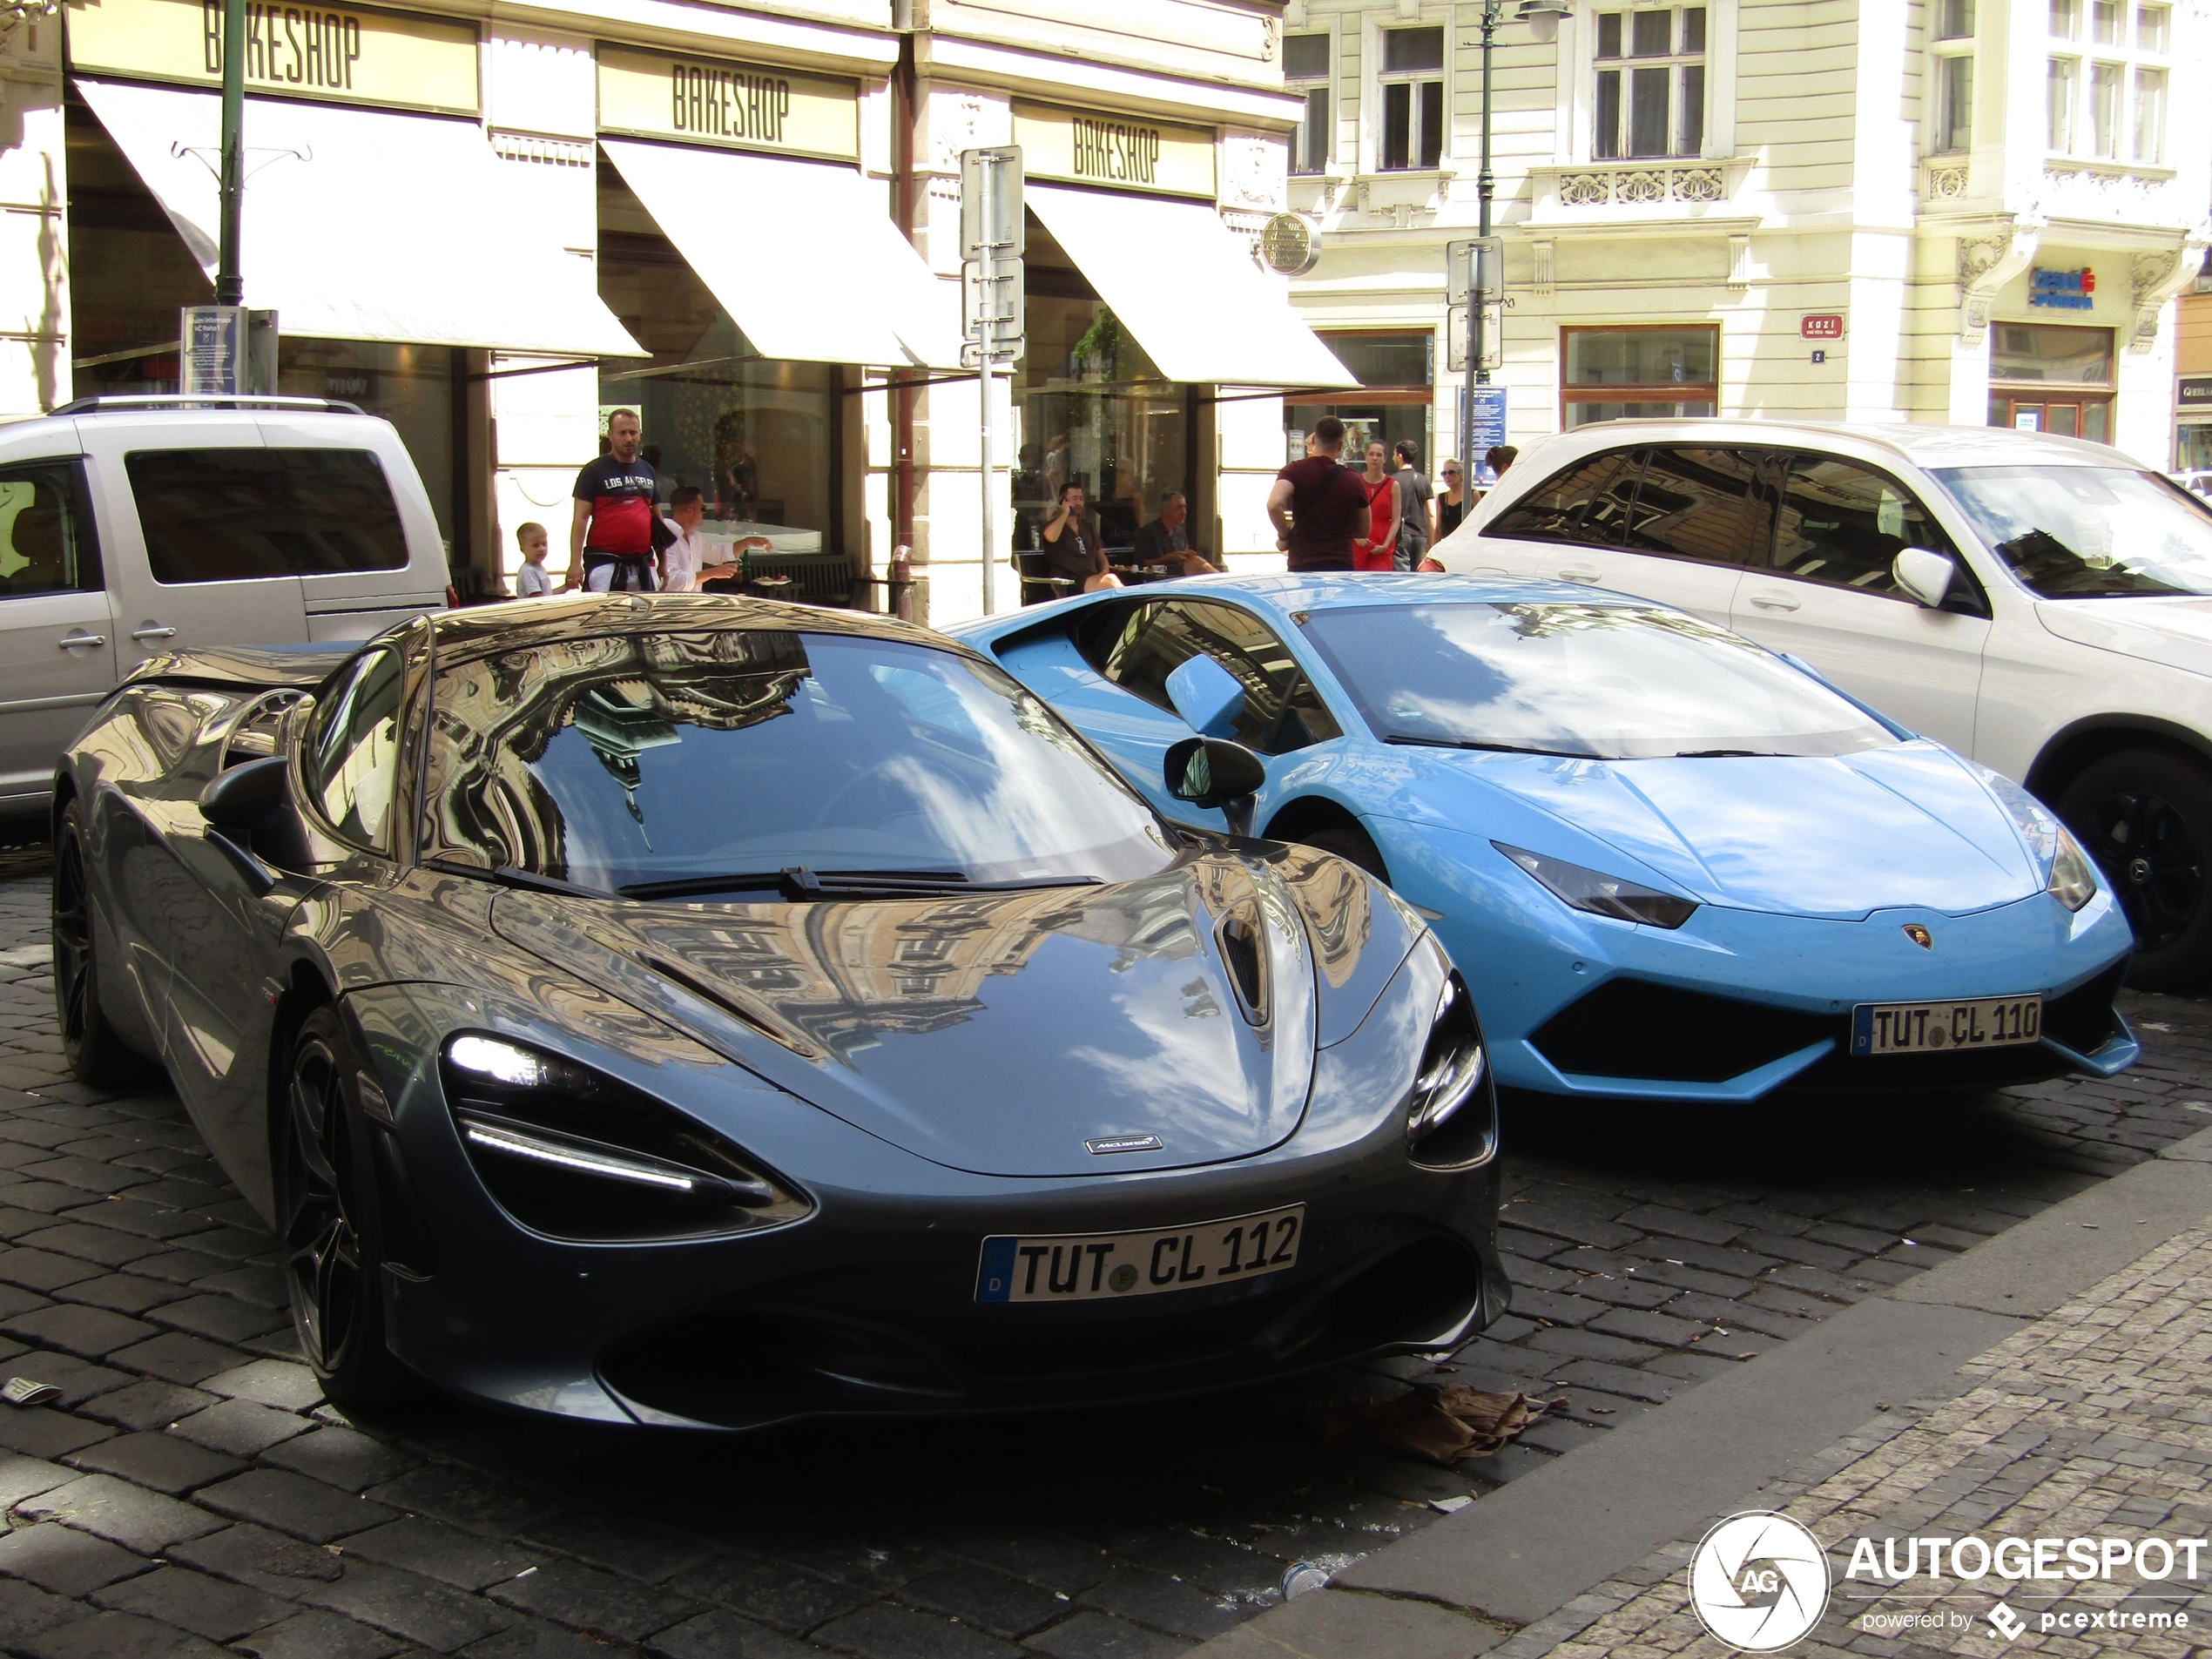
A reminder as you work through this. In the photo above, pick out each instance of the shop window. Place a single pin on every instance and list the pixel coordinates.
(2045, 378)
(1615, 373)
(1306, 77)
(1412, 83)
(1650, 95)
(1397, 373)
(2111, 105)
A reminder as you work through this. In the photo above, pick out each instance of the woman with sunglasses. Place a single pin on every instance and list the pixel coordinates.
(1451, 506)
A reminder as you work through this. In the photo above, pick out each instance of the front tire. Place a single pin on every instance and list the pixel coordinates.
(96, 1054)
(334, 1261)
(2145, 816)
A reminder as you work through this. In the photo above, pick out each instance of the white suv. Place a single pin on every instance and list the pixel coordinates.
(2042, 605)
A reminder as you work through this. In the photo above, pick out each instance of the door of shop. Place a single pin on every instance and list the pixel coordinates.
(2077, 417)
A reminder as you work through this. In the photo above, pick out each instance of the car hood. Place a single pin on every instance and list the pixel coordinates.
(2174, 633)
(993, 1033)
(1800, 836)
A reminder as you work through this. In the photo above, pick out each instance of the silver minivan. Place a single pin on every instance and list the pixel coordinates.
(130, 527)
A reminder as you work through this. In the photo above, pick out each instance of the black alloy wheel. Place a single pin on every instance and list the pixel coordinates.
(333, 1238)
(94, 1053)
(2145, 817)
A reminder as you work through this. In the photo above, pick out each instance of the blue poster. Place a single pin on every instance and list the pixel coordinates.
(1490, 429)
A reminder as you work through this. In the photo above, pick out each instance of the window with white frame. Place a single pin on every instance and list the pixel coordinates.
(2106, 86)
(1412, 83)
(1952, 129)
(1650, 95)
(1306, 77)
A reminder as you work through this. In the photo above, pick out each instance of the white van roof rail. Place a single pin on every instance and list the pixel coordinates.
(204, 401)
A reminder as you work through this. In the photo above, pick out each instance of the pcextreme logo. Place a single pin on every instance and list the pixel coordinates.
(1759, 1582)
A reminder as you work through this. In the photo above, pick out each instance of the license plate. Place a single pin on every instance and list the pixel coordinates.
(1093, 1267)
(1940, 1028)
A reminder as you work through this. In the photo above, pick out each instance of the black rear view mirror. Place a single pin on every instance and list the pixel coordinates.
(1213, 771)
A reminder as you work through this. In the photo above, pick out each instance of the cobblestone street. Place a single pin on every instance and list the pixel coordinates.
(190, 1492)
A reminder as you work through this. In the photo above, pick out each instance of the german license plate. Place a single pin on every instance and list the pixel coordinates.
(1940, 1027)
(1092, 1267)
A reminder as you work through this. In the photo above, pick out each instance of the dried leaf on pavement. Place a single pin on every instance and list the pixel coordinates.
(1442, 1423)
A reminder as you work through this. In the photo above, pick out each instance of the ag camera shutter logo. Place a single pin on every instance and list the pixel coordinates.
(1759, 1582)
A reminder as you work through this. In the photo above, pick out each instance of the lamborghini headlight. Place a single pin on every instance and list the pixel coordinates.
(1601, 894)
(2074, 878)
(2068, 875)
(1452, 1118)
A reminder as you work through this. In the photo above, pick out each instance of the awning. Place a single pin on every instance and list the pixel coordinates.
(366, 224)
(802, 254)
(1184, 286)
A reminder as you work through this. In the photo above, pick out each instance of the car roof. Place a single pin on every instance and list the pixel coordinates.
(1926, 446)
(1345, 589)
(577, 616)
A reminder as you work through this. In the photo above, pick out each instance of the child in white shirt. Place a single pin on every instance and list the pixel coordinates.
(531, 581)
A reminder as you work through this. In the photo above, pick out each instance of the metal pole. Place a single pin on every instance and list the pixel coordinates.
(1477, 375)
(987, 283)
(230, 284)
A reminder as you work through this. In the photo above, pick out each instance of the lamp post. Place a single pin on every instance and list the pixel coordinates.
(1543, 19)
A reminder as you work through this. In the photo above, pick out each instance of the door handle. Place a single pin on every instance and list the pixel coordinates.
(87, 640)
(142, 635)
(1775, 601)
(1578, 573)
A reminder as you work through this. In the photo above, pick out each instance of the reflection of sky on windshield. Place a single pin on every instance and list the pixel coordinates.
(2104, 530)
(1607, 681)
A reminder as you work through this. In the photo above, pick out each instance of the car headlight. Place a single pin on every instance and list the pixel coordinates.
(1601, 894)
(2068, 875)
(575, 1154)
(1452, 1116)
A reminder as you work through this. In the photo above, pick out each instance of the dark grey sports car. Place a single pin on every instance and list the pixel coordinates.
(687, 1010)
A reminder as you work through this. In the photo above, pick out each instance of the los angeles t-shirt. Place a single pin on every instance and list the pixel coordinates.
(621, 494)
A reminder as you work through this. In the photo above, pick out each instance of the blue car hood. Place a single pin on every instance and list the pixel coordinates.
(993, 1033)
(1798, 836)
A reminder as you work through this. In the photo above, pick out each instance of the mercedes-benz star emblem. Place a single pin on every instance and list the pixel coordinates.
(1919, 935)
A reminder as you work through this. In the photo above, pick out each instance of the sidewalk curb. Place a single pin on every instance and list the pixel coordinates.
(1527, 1549)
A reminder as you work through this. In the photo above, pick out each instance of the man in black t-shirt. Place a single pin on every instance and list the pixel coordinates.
(1319, 504)
(611, 538)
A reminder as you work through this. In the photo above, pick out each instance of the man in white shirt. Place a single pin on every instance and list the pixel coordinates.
(692, 558)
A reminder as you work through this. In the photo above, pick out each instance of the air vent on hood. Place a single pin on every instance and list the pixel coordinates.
(1243, 937)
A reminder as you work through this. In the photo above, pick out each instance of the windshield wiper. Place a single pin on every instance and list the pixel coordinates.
(1491, 748)
(1732, 754)
(796, 882)
(507, 876)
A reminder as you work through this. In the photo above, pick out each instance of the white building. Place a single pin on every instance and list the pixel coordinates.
(493, 223)
(1960, 211)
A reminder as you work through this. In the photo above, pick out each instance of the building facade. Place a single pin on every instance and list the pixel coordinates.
(743, 222)
(1951, 210)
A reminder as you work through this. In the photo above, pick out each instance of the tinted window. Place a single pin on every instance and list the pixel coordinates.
(1555, 509)
(1695, 503)
(40, 546)
(2088, 532)
(1606, 682)
(1843, 524)
(1281, 708)
(635, 759)
(352, 761)
(232, 515)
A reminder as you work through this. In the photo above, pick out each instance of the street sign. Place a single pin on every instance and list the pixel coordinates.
(1008, 223)
(215, 350)
(1476, 260)
(1289, 245)
(996, 308)
(1494, 338)
(1821, 325)
(1488, 428)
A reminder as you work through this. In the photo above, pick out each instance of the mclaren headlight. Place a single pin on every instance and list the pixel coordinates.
(1452, 1116)
(572, 1153)
(2068, 876)
(1601, 894)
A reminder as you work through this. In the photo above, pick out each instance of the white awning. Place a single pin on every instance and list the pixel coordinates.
(802, 254)
(1184, 286)
(366, 224)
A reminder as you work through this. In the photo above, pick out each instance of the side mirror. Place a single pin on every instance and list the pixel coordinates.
(1926, 575)
(1213, 771)
(245, 798)
(1207, 695)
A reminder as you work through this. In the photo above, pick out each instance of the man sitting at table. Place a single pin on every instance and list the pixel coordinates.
(1163, 541)
(1073, 548)
(692, 560)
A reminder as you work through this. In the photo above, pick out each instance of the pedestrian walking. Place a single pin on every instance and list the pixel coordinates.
(612, 538)
(1374, 551)
(531, 582)
(1319, 505)
(1416, 508)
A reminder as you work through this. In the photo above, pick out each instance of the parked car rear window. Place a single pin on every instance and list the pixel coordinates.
(233, 515)
(1600, 682)
(2088, 532)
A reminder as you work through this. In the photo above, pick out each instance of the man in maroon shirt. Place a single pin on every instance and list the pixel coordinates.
(1319, 505)
(611, 538)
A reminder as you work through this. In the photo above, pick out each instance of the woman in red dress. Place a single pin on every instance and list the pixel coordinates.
(1377, 549)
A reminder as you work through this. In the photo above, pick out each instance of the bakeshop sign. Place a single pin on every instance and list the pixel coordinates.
(345, 54)
(1117, 151)
(744, 106)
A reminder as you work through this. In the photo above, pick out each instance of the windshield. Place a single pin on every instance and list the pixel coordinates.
(1605, 682)
(2088, 532)
(632, 760)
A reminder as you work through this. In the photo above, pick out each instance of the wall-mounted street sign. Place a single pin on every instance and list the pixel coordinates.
(1821, 325)
(344, 54)
(1119, 150)
(1289, 245)
(731, 105)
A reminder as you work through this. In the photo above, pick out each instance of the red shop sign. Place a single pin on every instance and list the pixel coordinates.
(1821, 325)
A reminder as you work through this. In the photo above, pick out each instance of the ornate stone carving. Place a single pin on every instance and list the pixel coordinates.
(1699, 184)
(1269, 32)
(2158, 276)
(1585, 189)
(1643, 185)
(1541, 282)
(1254, 171)
(1986, 264)
(955, 125)
(1947, 183)
(1640, 186)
